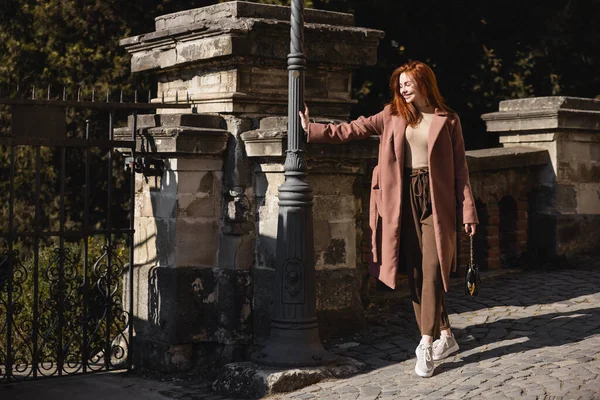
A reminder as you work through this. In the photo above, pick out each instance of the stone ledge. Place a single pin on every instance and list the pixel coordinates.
(545, 113)
(189, 39)
(172, 140)
(272, 142)
(251, 380)
(550, 102)
(242, 9)
(506, 158)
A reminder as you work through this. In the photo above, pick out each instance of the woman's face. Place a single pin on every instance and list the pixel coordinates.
(410, 91)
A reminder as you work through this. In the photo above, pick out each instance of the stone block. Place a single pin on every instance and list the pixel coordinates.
(322, 236)
(238, 9)
(566, 199)
(262, 301)
(188, 140)
(340, 250)
(267, 184)
(249, 380)
(334, 208)
(141, 304)
(339, 308)
(214, 121)
(578, 234)
(236, 252)
(506, 158)
(143, 121)
(193, 305)
(196, 164)
(544, 113)
(588, 198)
(165, 184)
(266, 243)
(333, 255)
(161, 356)
(328, 184)
(145, 238)
(197, 206)
(202, 54)
(139, 183)
(155, 204)
(197, 242)
(195, 182)
(201, 49)
(165, 241)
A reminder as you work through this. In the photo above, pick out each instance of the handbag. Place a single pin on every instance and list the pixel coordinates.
(472, 277)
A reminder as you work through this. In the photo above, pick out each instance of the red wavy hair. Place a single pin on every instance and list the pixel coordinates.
(426, 82)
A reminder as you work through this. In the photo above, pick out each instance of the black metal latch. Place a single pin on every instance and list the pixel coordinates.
(148, 166)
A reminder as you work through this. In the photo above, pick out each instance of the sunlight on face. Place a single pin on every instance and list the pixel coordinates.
(409, 90)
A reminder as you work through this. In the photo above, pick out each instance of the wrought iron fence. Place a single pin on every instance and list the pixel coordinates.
(66, 236)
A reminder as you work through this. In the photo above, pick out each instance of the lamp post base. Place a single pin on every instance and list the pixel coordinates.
(294, 345)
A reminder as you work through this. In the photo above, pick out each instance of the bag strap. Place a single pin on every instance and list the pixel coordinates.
(471, 258)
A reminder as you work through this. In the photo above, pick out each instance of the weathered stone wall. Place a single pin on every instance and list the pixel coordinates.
(568, 202)
(503, 182)
(231, 59)
(337, 175)
(191, 298)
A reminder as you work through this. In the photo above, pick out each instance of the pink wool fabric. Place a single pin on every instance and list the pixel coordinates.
(451, 194)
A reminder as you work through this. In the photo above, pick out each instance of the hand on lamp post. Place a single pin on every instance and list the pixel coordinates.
(304, 118)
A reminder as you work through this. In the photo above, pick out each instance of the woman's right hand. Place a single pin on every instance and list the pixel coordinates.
(304, 118)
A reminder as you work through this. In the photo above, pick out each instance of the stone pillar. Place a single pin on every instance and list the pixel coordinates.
(183, 302)
(567, 218)
(337, 175)
(230, 60)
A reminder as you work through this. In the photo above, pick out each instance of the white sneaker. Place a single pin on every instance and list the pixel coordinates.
(443, 347)
(424, 367)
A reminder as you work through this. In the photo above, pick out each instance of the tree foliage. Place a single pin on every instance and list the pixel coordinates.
(482, 52)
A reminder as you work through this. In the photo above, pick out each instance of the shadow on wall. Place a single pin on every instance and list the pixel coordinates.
(507, 231)
(158, 241)
(480, 241)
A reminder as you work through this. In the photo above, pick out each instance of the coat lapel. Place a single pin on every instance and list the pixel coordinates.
(399, 134)
(435, 128)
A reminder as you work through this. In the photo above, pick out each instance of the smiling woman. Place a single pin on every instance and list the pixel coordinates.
(420, 182)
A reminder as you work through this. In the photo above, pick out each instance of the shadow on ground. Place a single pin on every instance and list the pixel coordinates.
(534, 297)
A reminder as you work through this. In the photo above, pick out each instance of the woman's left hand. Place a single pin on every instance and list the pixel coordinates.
(470, 229)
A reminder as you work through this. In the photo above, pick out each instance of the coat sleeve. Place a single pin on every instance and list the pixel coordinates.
(361, 128)
(462, 185)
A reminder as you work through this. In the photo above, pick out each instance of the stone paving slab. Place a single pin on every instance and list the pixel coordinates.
(529, 335)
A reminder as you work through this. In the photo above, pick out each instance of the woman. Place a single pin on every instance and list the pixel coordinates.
(419, 186)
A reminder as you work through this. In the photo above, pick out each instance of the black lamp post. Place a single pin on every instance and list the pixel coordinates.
(294, 340)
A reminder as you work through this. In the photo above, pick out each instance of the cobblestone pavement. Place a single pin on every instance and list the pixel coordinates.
(529, 335)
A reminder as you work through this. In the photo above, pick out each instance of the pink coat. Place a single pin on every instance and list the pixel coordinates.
(449, 180)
